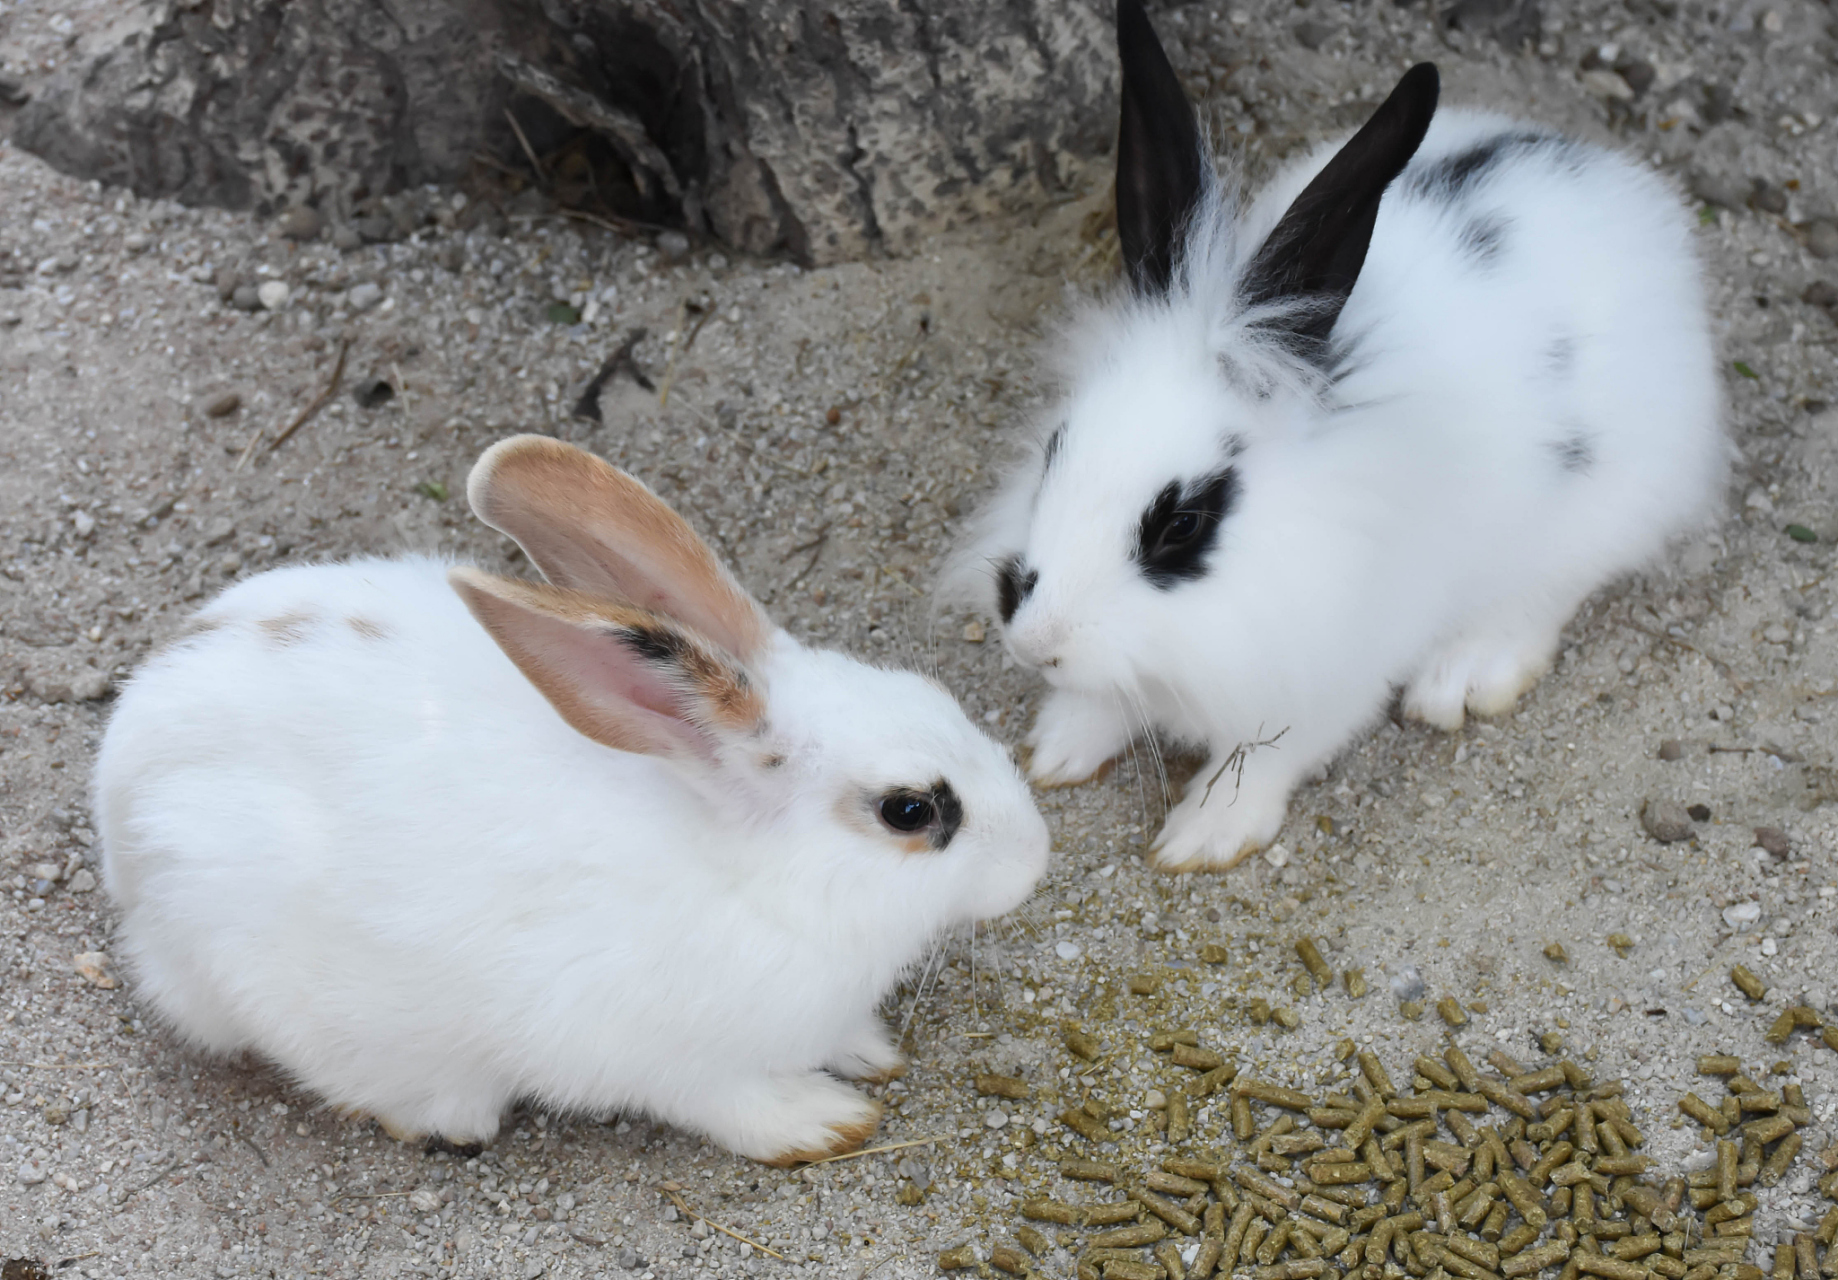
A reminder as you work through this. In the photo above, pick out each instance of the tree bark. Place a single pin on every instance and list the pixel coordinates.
(826, 131)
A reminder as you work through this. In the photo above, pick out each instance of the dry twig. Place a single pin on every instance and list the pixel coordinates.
(683, 1208)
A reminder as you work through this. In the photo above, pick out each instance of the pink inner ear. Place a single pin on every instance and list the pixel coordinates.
(631, 694)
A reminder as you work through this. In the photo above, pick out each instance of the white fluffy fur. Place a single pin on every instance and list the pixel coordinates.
(346, 832)
(1408, 523)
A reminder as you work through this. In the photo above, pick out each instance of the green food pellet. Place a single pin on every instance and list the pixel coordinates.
(1743, 368)
(1800, 533)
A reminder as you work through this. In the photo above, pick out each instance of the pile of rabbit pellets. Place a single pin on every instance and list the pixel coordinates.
(1468, 1176)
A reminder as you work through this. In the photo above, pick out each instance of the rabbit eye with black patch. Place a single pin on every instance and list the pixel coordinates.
(1179, 528)
(934, 810)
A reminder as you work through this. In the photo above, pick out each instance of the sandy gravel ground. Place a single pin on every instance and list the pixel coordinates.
(829, 430)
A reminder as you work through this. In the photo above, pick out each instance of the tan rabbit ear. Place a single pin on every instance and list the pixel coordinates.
(623, 677)
(591, 527)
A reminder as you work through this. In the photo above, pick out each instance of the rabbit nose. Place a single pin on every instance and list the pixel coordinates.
(1037, 642)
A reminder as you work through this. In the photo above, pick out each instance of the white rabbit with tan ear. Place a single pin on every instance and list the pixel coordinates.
(434, 841)
(1387, 425)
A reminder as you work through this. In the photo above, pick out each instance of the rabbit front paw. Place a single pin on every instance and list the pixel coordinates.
(1221, 820)
(1073, 737)
(783, 1120)
(867, 1054)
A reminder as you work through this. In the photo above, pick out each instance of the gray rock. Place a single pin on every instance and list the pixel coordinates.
(219, 531)
(1821, 293)
(672, 246)
(1312, 35)
(300, 223)
(1671, 749)
(83, 881)
(1774, 840)
(1766, 197)
(246, 298)
(1719, 103)
(1666, 821)
(365, 296)
(1718, 189)
(1407, 984)
(32, 1172)
(345, 239)
(223, 405)
(1638, 73)
(836, 146)
(1822, 238)
(376, 228)
(628, 1258)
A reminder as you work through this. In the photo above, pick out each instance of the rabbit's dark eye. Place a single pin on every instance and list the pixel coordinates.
(906, 811)
(936, 811)
(1178, 529)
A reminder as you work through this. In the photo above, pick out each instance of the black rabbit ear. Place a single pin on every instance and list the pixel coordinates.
(1159, 174)
(1319, 246)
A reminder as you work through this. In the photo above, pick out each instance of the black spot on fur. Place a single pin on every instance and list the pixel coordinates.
(1054, 443)
(1575, 453)
(1560, 356)
(1014, 583)
(1483, 239)
(654, 644)
(1452, 177)
(950, 813)
(1179, 528)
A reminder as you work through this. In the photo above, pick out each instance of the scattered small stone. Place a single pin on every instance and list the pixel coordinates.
(1671, 749)
(95, 969)
(1407, 984)
(365, 296)
(300, 223)
(974, 632)
(1821, 293)
(1741, 915)
(1767, 198)
(219, 531)
(273, 294)
(1719, 104)
(372, 393)
(1822, 238)
(83, 881)
(1277, 856)
(1715, 188)
(246, 297)
(374, 228)
(1607, 85)
(12, 93)
(83, 523)
(1774, 840)
(346, 238)
(1067, 950)
(1312, 35)
(32, 1172)
(672, 246)
(425, 1200)
(1666, 821)
(1638, 73)
(222, 406)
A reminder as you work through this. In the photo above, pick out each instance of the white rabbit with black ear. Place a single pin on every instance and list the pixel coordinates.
(1389, 424)
(434, 840)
